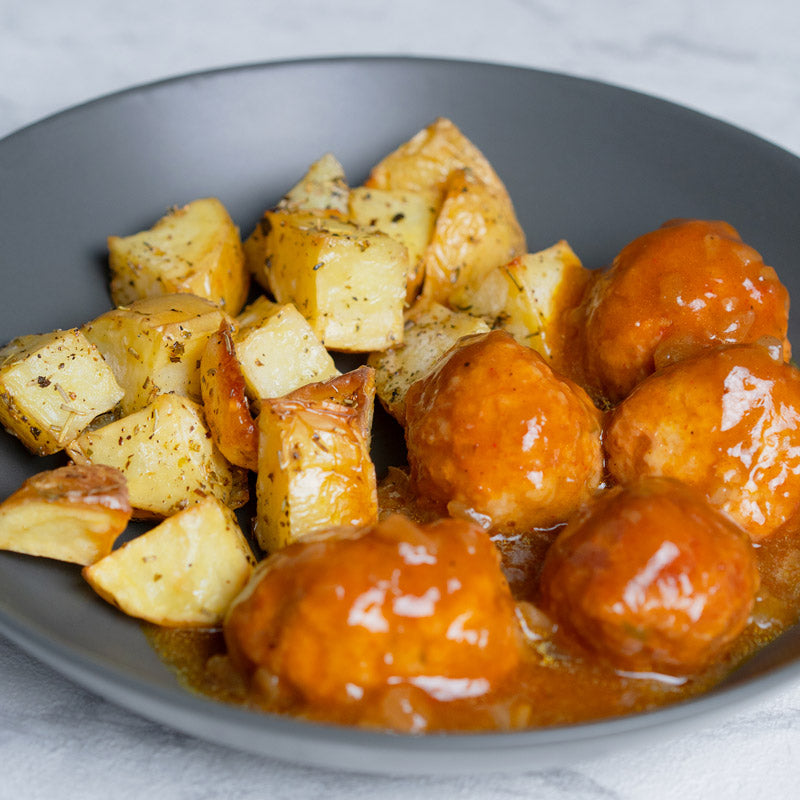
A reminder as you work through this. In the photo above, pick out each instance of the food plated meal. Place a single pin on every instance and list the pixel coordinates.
(516, 575)
(600, 488)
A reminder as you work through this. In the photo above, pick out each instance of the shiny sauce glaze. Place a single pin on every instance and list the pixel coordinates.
(670, 293)
(555, 682)
(711, 291)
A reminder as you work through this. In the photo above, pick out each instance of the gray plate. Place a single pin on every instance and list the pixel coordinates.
(584, 161)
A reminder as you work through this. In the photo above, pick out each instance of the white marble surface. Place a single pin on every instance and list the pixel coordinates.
(738, 61)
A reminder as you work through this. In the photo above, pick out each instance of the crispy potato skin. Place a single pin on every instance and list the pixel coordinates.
(351, 612)
(424, 163)
(726, 422)
(495, 434)
(89, 484)
(652, 578)
(73, 513)
(314, 469)
(227, 410)
(687, 285)
(476, 230)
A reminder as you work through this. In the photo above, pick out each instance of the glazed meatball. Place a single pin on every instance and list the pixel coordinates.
(652, 578)
(495, 435)
(726, 422)
(685, 286)
(357, 611)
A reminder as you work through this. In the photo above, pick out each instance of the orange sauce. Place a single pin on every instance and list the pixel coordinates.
(555, 684)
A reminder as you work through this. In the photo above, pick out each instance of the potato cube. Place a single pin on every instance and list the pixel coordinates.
(404, 216)
(183, 573)
(424, 163)
(52, 386)
(278, 351)
(314, 469)
(194, 249)
(347, 281)
(475, 231)
(72, 513)
(323, 187)
(528, 296)
(431, 330)
(154, 346)
(167, 456)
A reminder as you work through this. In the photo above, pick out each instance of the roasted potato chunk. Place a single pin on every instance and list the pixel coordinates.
(225, 403)
(322, 188)
(314, 469)
(348, 282)
(194, 249)
(154, 346)
(278, 350)
(52, 386)
(183, 573)
(431, 330)
(424, 163)
(530, 295)
(476, 230)
(167, 455)
(404, 216)
(73, 513)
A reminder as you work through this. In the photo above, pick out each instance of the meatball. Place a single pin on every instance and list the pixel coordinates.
(652, 578)
(727, 422)
(495, 435)
(685, 286)
(360, 610)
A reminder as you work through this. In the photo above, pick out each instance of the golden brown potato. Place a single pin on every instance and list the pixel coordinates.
(652, 578)
(183, 573)
(349, 282)
(476, 227)
(405, 216)
(494, 434)
(688, 285)
(225, 405)
(73, 513)
(314, 467)
(726, 421)
(167, 456)
(343, 615)
(532, 297)
(322, 188)
(424, 163)
(278, 351)
(476, 230)
(154, 346)
(52, 386)
(195, 249)
(430, 331)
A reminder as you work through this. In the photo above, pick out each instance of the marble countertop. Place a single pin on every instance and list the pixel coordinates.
(737, 61)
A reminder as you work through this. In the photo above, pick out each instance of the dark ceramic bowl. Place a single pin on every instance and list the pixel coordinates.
(584, 161)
